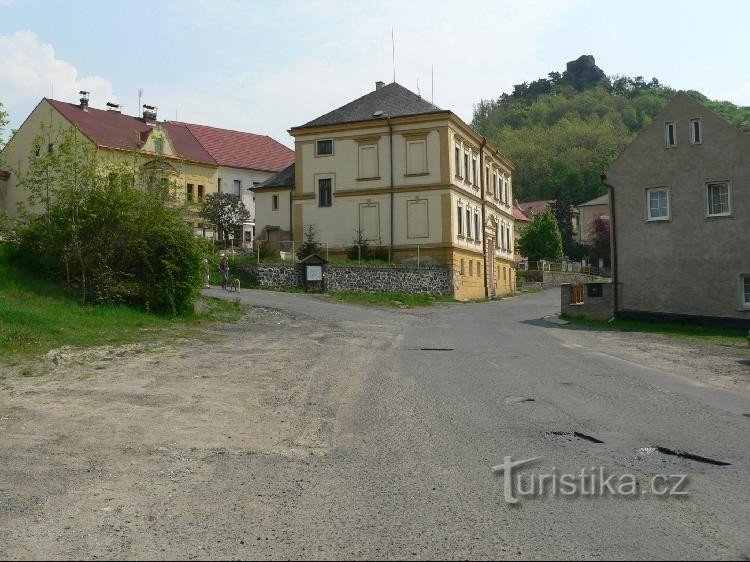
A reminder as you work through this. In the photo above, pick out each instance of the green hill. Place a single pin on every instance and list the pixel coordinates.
(563, 131)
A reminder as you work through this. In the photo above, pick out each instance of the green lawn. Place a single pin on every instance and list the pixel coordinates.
(714, 334)
(36, 316)
(407, 300)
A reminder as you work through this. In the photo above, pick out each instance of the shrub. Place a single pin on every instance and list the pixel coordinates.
(109, 235)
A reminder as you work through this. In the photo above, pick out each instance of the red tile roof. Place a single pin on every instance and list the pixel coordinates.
(242, 150)
(198, 143)
(518, 214)
(114, 130)
(534, 208)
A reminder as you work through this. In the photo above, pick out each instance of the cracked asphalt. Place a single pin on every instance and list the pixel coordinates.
(383, 442)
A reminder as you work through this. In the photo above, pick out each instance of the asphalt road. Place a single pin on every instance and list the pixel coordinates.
(458, 387)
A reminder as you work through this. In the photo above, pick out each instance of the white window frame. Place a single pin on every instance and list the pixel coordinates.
(744, 296)
(708, 199)
(692, 130)
(650, 190)
(667, 124)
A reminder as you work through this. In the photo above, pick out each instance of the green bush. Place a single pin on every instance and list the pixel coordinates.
(109, 235)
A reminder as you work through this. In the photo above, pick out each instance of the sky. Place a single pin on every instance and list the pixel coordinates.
(265, 66)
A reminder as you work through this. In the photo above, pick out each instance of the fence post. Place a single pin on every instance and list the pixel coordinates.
(417, 255)
(294, 256)
(327, 251)
(258, 250)
(359, 254)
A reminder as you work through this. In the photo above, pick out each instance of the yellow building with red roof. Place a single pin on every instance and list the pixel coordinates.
(198, 159)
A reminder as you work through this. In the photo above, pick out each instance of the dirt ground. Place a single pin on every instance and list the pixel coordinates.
(187, 449)
(704, 362)
(107, 449)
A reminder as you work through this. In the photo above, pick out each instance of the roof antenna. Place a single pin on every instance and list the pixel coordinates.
(140, 95)
(432, 80)
(419, 92)
(393, 49)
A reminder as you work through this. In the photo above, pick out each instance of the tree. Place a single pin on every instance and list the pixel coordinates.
(540, 240)
(600, 239)
(109, 234)
(226, 211)
(562, 208)
(310, 246)
(3, 124)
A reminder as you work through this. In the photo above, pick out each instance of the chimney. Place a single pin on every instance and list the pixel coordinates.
(84, 100)
(114, 107)
(149, 114)
(379, 84)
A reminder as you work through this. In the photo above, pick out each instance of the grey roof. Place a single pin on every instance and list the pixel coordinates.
(603, 200)
(285, 178)
(393, 100)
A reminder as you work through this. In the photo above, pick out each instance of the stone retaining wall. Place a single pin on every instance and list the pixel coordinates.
(557, 278)
(365, 279)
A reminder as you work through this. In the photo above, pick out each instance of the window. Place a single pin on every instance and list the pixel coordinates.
(275, 203)
(460, 221)
(658, 204)
(669, 134)
(159, 145)
(507, 237)
(466, 167)
(474, 172)
(745, 288)
(218, 186)
(487, 178)
(476, 226)
(468, 224)
(471, 268)
(696, 134)
(238, 188)
(324, 147)
(458, 162)
(479, 268)
(462, 266)
(718, 199)
(189, 193)
(325, 196)
(502, 238)
(201, 191)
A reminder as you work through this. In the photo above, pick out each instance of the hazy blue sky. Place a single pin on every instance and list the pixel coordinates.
(266, 66)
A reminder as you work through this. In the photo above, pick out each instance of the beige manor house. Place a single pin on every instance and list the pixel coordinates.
(410, 177)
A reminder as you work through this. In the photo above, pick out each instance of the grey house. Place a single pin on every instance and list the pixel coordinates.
(682, 212)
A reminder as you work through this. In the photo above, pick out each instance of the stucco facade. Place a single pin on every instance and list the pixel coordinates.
(682, 211)
(45, 120)
(403, 182)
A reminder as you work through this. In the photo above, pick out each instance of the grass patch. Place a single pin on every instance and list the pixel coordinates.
(713, 334)
(399, 300)
(36, 316)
